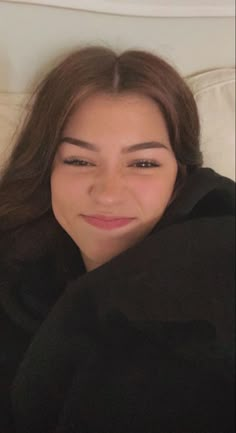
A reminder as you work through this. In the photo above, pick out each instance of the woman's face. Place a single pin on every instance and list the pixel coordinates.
(120, 165)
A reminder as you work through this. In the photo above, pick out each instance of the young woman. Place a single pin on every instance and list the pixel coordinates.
(117, 257)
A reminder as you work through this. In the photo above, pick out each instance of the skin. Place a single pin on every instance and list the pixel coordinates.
(112, 182)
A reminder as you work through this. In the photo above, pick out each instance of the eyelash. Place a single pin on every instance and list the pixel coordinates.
(77, 162)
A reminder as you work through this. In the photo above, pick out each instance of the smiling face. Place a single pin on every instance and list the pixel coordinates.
(97, 170)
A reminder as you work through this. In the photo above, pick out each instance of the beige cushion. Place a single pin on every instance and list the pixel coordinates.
(214, 92)
(12, 113)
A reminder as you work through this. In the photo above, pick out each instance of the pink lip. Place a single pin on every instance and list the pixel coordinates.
(107, 223)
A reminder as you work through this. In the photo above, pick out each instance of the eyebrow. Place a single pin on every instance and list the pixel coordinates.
(129, 149)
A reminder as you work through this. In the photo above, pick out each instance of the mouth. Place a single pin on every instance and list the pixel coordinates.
(107, 223)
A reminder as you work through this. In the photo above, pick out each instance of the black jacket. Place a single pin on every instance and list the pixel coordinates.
(142, 344)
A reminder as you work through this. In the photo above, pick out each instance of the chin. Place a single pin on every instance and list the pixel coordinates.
(102, 256)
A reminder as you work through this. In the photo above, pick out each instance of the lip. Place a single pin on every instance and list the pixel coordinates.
(107, 223)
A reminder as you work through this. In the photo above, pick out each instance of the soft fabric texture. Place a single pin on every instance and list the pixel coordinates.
(142, 344)
(13, 110)
(214, 92)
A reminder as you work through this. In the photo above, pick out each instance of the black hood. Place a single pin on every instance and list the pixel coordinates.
(29, 291)
(144, 342)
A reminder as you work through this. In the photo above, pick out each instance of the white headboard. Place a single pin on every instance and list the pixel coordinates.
(195, 36)
(147, 8)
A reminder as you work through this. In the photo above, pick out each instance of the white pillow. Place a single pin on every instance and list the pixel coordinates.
(214, 92)
(12, 113)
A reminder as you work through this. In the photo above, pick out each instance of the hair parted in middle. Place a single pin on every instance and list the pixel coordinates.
(25, 195)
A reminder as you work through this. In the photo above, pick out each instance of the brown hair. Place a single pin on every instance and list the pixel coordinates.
(25, 200)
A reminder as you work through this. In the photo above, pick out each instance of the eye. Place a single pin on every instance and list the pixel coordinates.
(77, 162)
(137, 164)
(146, 163)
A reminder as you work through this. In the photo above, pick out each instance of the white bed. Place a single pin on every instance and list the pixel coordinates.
(23, 54)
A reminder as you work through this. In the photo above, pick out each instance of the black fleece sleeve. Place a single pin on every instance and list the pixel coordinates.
(143, 343)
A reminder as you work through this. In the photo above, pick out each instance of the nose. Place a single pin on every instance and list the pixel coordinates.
(108, 188)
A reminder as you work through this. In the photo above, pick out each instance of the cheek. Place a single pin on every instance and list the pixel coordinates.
(66, 193)
(156, 192)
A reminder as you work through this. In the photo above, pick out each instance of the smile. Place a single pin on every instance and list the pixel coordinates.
(107, 224)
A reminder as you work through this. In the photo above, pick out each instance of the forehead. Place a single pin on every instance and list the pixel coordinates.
(126, 109)
(116, 122)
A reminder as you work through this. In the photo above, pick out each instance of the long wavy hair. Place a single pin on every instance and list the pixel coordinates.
(27, 222)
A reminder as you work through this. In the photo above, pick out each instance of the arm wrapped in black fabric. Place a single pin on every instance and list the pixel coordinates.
(145, 342)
